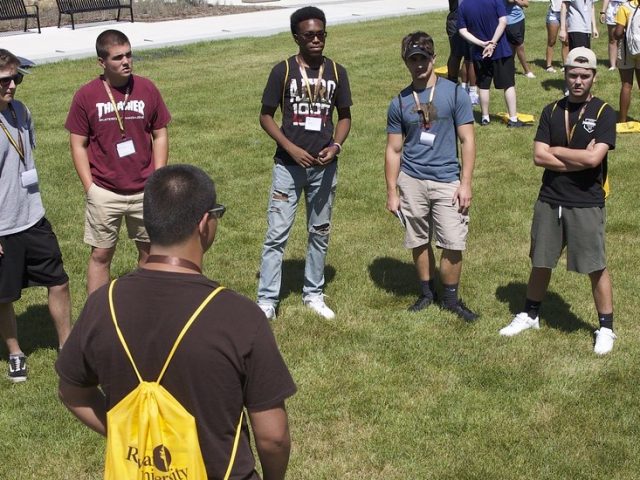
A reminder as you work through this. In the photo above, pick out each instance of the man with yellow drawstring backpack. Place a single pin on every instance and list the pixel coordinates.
(164, 361)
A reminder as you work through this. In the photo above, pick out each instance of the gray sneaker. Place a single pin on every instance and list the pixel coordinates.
(268, 310)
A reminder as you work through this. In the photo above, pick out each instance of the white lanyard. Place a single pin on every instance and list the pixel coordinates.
(426, 121)
(305, 78)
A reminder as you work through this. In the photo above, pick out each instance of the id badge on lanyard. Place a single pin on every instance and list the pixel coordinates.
(29, 178)
(311, 124)
(125, 147)
(427, 138)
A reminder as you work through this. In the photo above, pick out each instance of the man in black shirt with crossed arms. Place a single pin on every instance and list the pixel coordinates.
(571, 144)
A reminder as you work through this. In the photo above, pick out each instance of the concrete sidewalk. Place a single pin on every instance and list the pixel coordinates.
(55, 44)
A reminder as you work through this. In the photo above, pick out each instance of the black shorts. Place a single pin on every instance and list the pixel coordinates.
(502, 71)
(579, 39)
(31, 258)
(460, 47)
(515, 33)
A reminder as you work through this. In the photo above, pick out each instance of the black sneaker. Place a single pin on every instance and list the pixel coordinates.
(421, 303)
(17, 368)
(484, 122)
(516, 124)
(461, 310)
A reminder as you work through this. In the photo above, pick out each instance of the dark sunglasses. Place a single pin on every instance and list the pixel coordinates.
(309, 36)
(218, 210)
(6, 81)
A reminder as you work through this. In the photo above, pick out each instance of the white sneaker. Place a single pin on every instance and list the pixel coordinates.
(268, 310)
(474, 97)
(604, 341)
(520, 323)
(316, 303)
(530, 75)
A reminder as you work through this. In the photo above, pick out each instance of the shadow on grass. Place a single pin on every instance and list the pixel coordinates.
(36, 330)
(293, 276)
(553, 84)
(542, 64)
(555, 311)
(493, 119)
(394, 276)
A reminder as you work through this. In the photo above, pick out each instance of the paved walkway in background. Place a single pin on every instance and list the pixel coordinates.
(55, 44)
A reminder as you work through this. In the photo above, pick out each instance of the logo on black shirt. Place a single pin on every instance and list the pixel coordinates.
(589, 124)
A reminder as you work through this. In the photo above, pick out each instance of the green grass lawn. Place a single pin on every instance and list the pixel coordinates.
(383, 394)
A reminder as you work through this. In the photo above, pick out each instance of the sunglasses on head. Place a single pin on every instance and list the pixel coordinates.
(6, 81)
(218, 210)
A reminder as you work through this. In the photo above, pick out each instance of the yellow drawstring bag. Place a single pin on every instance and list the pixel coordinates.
(149, 433)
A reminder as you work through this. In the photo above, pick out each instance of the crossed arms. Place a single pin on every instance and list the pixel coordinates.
(563, 159)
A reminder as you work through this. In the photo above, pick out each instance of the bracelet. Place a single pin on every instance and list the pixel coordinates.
(336, 144)
(603, 13)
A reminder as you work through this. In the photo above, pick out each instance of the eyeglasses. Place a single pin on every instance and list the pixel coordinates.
(218, 210)
(309, 36)
(6, 81)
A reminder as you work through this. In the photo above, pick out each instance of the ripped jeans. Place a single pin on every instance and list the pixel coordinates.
(288, 183)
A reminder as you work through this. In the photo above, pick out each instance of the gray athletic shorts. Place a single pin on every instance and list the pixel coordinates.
(581, 230)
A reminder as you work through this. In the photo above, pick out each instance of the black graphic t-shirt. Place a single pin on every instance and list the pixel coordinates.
(583, 188)
(295, 102)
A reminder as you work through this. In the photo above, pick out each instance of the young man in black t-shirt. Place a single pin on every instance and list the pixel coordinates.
(573, 139)
(307, 87)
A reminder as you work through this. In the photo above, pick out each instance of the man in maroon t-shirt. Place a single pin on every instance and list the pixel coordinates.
(118, 136)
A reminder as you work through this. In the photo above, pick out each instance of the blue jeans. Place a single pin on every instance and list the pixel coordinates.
(287, 185)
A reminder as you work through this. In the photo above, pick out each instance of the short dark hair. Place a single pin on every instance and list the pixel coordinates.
(420, 38)
(109, 38)
(8, 59)
(306, 13)
(175, 199)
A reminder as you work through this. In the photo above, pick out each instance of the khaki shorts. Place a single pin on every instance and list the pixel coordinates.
(427, 208)
(581, 230)
(104, 213)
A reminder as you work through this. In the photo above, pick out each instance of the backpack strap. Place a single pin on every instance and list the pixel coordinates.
(175, 345)
(401, 115)
(286, 77)
(186, 327)
(606, 186)
(335, 72)
(455, 123)
(234, 450)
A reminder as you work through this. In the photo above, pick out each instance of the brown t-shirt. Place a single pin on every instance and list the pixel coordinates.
(227, 359)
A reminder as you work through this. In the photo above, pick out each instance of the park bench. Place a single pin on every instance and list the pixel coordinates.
(17, 10)
(71, 7)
